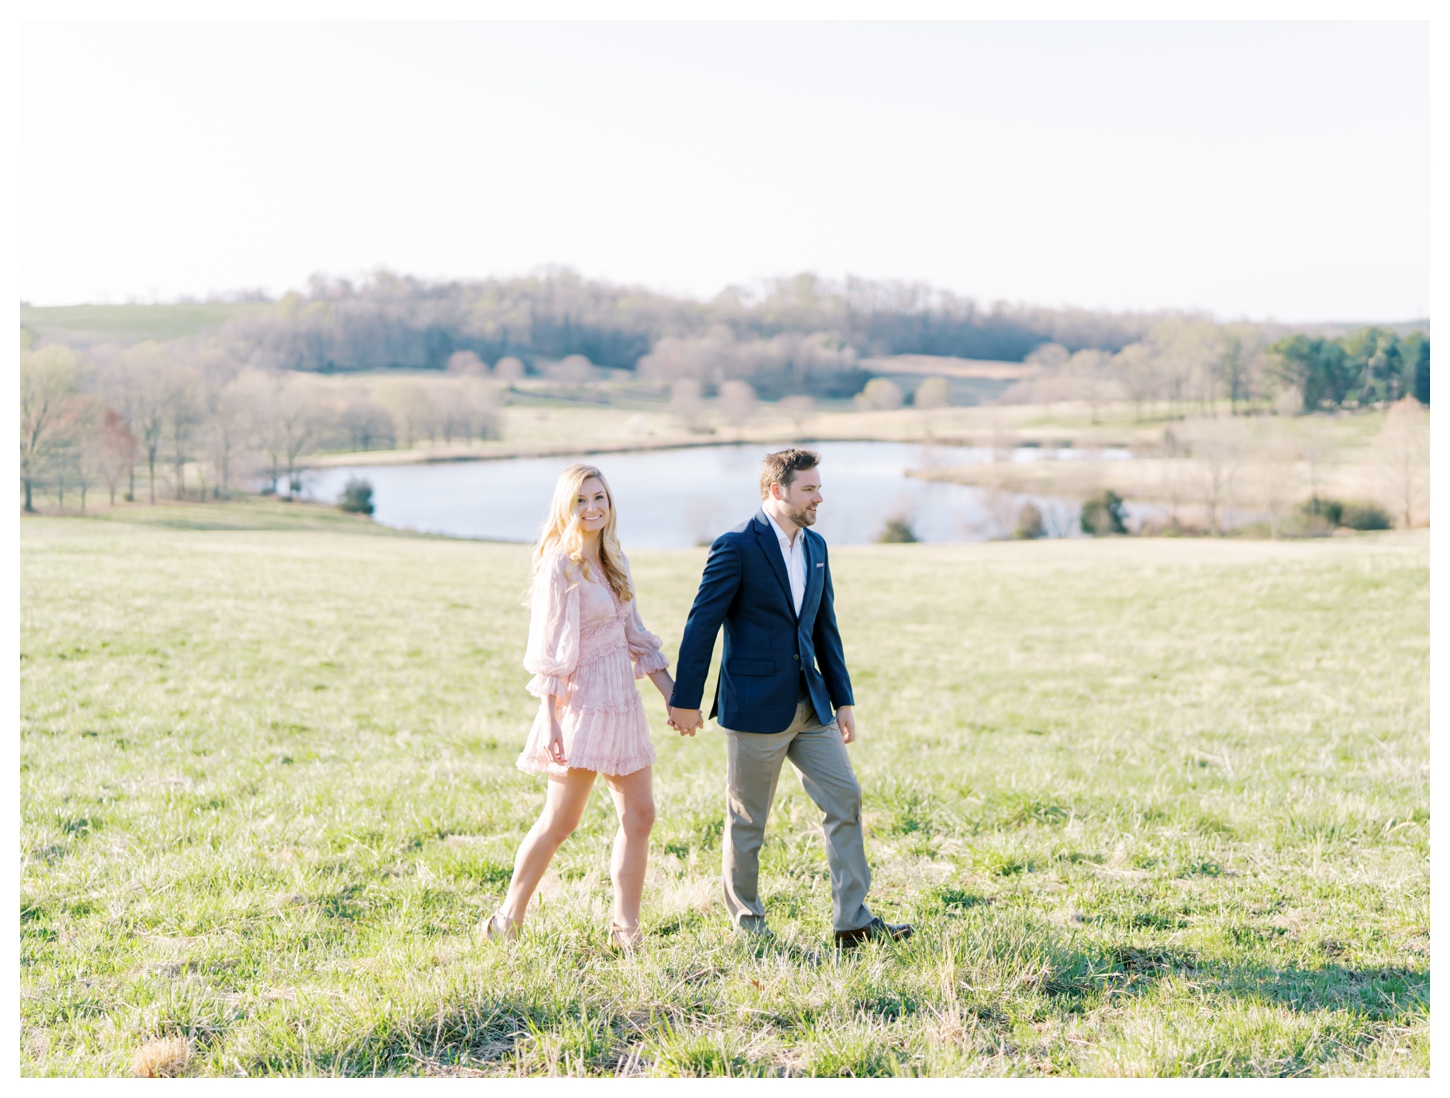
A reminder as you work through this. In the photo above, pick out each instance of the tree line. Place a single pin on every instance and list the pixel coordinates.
(128, 421)
(1185, 366)
(391, 321)
(807, 335)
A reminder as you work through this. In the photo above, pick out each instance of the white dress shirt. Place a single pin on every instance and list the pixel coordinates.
(795, 561)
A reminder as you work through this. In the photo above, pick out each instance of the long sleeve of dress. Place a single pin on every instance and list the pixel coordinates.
(644, 646)
(553, 650)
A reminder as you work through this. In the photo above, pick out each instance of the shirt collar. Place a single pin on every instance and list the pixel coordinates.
(785, 542)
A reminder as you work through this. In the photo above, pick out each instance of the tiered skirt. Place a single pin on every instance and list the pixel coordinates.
(600, 713)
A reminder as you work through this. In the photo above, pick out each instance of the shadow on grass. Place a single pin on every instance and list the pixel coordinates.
(1379, 994)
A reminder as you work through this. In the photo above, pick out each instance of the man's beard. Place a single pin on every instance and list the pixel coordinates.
(803, 516)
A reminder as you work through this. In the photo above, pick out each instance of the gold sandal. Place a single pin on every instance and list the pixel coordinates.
(500, 928)
(626, 939)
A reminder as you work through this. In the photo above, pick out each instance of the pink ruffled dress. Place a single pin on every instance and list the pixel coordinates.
(582, 640)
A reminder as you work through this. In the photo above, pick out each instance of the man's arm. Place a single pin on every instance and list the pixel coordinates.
(832, 658)
(718, 587)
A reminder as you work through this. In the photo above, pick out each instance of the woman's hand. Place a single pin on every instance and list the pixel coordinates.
(556, 733)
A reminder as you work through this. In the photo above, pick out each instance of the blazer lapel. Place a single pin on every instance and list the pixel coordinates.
(814, 576)
(770, 545)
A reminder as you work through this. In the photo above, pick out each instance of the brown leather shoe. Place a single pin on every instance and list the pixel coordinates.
(881, 931)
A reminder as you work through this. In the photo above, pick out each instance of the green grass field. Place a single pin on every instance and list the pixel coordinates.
(129, 323)
(1156, 808)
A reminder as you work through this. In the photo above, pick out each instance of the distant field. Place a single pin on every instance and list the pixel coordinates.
(1352, 474)
(1156, 807)
(130, 323)
(630, 419)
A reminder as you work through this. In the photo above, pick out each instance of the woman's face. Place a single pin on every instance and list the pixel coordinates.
(592, 505)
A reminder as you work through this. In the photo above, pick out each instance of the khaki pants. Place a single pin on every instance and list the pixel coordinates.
(753, 768)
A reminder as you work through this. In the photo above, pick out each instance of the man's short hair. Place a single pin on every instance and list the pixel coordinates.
(782, 466)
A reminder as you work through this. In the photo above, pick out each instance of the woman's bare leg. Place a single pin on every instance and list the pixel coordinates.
(563, 809)
(634, 803)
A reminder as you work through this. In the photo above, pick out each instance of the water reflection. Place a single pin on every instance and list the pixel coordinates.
(676, 498)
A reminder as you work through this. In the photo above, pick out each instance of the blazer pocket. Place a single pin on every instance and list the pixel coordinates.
(751, 667)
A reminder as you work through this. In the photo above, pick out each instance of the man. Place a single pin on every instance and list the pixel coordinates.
(768, 581)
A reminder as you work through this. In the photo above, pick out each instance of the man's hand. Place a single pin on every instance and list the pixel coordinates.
(846, 722)
(686, 721)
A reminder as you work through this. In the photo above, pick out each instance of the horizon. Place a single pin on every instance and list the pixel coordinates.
(242, 295)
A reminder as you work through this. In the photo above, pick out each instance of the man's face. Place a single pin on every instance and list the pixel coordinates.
(800, 500)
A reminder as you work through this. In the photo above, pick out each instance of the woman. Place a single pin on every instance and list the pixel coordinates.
(584, 630)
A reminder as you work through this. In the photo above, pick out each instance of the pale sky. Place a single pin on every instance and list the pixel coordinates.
(1262, 170)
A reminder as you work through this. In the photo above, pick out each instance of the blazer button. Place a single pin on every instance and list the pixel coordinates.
(795, 657)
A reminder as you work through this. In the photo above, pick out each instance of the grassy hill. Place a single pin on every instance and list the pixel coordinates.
(130, 323)
(1156, 808)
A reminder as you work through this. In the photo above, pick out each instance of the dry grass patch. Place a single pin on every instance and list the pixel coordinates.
(163, 1058)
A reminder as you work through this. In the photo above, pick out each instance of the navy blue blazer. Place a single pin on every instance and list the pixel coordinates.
(745, 587)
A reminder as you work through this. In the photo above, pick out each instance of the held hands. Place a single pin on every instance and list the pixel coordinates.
(686, 721)
(689, 721)
(677, 717)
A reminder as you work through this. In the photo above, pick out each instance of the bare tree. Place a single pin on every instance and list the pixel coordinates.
(1003, 439)
(1059, 516)
(465, 407)
(1000, 511)
(1240, 362)
(1402, 455)
(1137, 371)
(572, 370)
(140, 384)
(1318, 450)
(181, 415)
(737, 404)
(47, 382)
(226, 432)
(685, 401)
(1288, 402)
(449, 418)
(1176, 485)
(83, 417)
(1087, 371)
(509, 369)
(798, 408)
(1276, 479)
(415, 416)
(1218, 450)
(118, 451)
(467, 364)
(286, 416)
(1187, 353)
(1048, 357)
(482, 404)
(368, 424)
(881, 395)
(301, 418)
(933, 393)
(254, 392)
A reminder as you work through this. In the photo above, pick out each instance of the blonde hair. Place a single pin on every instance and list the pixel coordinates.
(561, 531)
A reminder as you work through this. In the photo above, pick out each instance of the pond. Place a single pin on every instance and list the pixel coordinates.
(684, 497)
